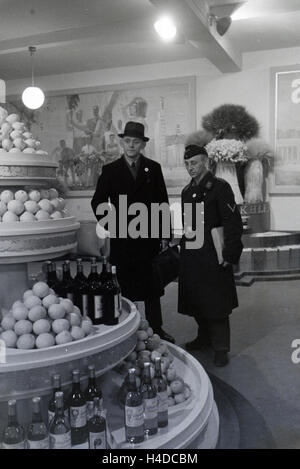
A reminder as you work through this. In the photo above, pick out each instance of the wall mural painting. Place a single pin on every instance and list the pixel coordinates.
(80, 130)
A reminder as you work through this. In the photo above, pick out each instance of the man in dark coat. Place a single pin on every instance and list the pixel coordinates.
(206, 283)
(140, 179)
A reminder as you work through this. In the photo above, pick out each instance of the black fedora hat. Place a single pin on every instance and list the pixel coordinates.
(134, 129)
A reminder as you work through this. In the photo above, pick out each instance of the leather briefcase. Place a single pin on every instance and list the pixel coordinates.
(166, 267)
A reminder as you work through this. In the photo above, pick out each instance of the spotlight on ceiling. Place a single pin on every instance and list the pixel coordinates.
(222, 24)
(165, 28)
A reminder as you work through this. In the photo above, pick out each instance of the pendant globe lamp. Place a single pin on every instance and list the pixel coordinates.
(33, 97)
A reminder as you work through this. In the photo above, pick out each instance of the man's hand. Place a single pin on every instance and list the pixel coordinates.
(225, 264)
(164, 245)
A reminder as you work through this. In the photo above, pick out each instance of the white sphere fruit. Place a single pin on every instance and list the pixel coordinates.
(41, 326)
(77, 333)
(37, 144)
(55, 203)
(7, 144)
(63, 338)
(19, 144)
(26, 342)
(10, 217)
(23, 327)
(27, 217)
(16, 304)
(6, 196)
(37, 313)
(56, 215)
(27, 135)
(62, 203)
(49, 300)
(87, 326)
(15, 134)
(40, 289)
(32, 301)
(6, 128)
(21, 195)
(76, 310)
(60, 325)
(30, 142)
(46, 205)
(31, 206)
(3, 208)
(67, 304)
(53, 194)
(14, 150)
(16, 206)
(8, 323)
(45, 340)
(29, 150)
(10, 338)
(18, 126)
(42, 215)
(74, 319)
(56, 311)
(51, 291)
(12, 118)
(45, 194)
(20, 312)
(34, 195)
(27, 293)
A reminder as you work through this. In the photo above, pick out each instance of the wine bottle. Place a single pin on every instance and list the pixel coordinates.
(56, 385)
(67, 286)
(91, 392)
(37, 433)
(134, 411)
(162, 394)
(95, 296)
(13, 435)
(115, 280)
(77, 404)
(111, 300)
(97, 427)
(80, 288)
(105, 274)
(150, 402)
(60, 431)
(52, 280)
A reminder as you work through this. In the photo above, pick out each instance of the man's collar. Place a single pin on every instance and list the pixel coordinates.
(206, 182)
(129, 161)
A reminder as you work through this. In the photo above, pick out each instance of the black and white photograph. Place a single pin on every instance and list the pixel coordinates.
(149, 227)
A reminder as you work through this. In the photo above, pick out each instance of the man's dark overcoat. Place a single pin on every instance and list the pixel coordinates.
(206, 289)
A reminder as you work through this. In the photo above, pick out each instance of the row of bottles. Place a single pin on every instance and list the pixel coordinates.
(146, 408)
(98, 296)
(71, 421)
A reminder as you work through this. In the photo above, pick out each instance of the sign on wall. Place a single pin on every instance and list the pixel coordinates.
(285, 100)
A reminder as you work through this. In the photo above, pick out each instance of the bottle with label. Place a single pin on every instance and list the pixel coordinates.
(80, 288)
(13, 435)
(111, 299)
(115, 280)
(77, 404)
(105, 273)
(134, 411)
(91, 392)
(97, 427)
(95, 294)
(52, 280)
(37, 433)
(162, 394)
(150, 402)
(60, 431)
(67, 286)
(56, 385)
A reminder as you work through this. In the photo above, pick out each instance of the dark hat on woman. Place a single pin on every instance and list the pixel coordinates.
(134, 129)
(193, 150)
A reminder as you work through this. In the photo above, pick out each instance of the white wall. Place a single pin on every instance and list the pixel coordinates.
(251, 88)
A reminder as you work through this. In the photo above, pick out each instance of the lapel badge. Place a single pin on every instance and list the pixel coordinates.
(146, 170)
(194, 196)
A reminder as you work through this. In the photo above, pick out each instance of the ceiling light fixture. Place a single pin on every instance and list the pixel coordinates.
(222, 24)
(166, 28)
(33, 97)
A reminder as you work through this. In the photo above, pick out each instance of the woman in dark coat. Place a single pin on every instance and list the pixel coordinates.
(206, 285)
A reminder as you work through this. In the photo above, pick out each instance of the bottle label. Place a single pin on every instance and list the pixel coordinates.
(70, 296)
(97, 440)
(162, 401)
(15, 446)
(41, 444)
(150, 408)
(51, 415)
(78, 416)
(85, 308)
(60, 441)
(116, 305)
(98, 306)
(90, 408)
(134, 416)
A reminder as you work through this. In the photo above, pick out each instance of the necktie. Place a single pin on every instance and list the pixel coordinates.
(134, 170)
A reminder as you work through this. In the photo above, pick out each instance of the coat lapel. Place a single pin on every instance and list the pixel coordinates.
(142, 175)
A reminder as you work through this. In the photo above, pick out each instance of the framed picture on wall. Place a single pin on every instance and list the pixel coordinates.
(285, 129)
(79, 128)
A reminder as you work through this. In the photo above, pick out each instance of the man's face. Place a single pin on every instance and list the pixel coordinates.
(196, 165)
(132, 146)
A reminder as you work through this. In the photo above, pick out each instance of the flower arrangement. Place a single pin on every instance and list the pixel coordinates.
(227, 150)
